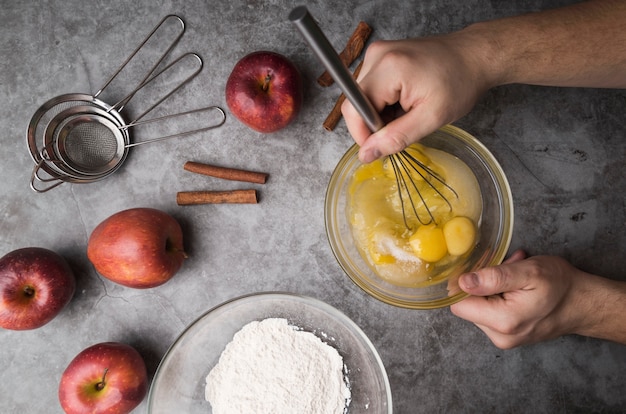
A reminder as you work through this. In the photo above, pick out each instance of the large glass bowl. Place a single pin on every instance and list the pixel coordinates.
(495, 226)
(179, 382)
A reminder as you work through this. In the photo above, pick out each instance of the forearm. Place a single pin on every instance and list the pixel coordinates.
(582, 45)
(604, 304)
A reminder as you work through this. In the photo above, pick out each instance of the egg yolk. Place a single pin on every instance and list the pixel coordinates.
(397, 236)
(429, 243)
(460, 235)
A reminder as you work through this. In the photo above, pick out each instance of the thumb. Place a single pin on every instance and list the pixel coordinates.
(492, 281)
(396, 136)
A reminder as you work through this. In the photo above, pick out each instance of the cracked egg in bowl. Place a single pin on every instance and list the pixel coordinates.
(404, 230)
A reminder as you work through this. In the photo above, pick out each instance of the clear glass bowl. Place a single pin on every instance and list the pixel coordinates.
(179, 382)
(495, 227)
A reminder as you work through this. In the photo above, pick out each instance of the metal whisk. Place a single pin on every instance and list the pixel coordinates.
(405, 167)
(403, 163)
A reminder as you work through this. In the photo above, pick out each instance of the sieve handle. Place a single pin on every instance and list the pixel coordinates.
(169, 49)
(222, 119)
(119, 105)
(34, 177)
(125, 100)
(325, 52)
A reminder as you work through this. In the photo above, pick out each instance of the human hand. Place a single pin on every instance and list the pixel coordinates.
(435, 80)
(527, 300)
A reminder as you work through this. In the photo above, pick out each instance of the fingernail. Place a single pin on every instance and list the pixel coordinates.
(370, 154)
(469, 281)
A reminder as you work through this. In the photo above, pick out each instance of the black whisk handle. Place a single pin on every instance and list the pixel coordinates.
(325, 52)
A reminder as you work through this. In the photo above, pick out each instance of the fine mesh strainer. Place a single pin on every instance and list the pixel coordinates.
(85, 142)
(80, 139)
(42, 151)
(91, 145)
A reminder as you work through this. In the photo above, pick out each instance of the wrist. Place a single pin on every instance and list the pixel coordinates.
(484, 53)
(602, 303)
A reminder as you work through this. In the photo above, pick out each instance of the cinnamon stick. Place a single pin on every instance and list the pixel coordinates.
(353, 49)
(226, 173)
(188, 198)
(335, 114)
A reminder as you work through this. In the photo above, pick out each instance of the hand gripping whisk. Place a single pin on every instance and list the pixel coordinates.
(406, 167)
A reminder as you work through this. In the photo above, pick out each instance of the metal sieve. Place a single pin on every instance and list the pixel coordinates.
(85, 142)
(78, 138)
(91, 144)
(42, 152)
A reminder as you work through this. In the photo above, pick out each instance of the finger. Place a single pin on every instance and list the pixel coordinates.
(516, 256)
(356, 126)
(376, 86)
(502, 341)
(473, 304)
(374, 52)
(397, 135)
(492, 314)
(495, 280)
(477, 309)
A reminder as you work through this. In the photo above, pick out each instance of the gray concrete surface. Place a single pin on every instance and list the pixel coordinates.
(563, 150)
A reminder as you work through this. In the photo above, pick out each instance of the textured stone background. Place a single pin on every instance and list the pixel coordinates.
(563, 151)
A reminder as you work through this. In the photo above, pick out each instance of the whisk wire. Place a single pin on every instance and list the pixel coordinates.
(399, 185)
(404, 166)
(400, 171)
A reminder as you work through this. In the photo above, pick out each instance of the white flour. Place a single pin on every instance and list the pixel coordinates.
(273, 367)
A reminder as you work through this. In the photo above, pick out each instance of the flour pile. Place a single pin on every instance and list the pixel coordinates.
(273, 367)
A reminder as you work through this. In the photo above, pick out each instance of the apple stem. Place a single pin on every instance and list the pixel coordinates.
(100, 385)
(266, 83)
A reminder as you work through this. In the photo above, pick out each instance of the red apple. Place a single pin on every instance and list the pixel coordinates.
(139, 247)
(35, 284)
(264, 91)
(109, 377)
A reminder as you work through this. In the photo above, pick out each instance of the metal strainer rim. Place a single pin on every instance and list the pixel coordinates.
(37, 142)
(57, 132)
